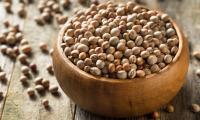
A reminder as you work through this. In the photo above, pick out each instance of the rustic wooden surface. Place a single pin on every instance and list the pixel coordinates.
(17, 105)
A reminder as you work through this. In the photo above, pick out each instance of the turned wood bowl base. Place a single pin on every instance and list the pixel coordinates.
(148, 114)
(121, 98)
(139, 115)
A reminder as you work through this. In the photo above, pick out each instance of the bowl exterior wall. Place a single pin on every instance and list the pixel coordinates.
(121, 99)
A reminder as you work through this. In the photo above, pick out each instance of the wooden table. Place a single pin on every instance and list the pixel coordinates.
(17, 105)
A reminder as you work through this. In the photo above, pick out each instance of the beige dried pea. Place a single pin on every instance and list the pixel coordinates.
(152, 59)
(170, 108)
(170, 32)
(83, 48)
(128, 53)
(80, 64)
(136, 50)
(22, 58)
(132, 73)
(140, 73)
(95, 71)
(43, 47)
(25, 70)
(168, 59)
(195, 108)
(155, 68)
(26, 49)
(100, 64)
(45, 103)
(114, 41)
(110, 57)
(50, 69)
(2, 76)
(138, 40)
(118, 55)
(39, 88)
(38, 80)
(111, 68)
(45, 83)
(144, 54)
(53, 89)
(23, 79)
(30, 92)
(122, 74)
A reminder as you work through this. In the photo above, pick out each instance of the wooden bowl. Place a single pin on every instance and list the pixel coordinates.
(121, 98)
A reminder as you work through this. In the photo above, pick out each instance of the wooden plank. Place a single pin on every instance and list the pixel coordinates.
(6, 63)
(187, 16)
(18, 105)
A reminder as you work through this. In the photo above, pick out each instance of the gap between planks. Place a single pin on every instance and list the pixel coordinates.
(8, 64)
(15, 94)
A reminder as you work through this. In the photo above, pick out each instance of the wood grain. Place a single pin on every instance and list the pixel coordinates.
(6, 63)
(18, 106)
(187, 16)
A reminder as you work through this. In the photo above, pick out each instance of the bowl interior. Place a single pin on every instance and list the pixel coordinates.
(104, 79)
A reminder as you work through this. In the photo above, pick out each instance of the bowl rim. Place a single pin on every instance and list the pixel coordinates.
(112, 80)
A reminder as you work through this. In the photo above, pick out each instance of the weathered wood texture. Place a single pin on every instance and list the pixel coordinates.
(6, 63)
(18, 106)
